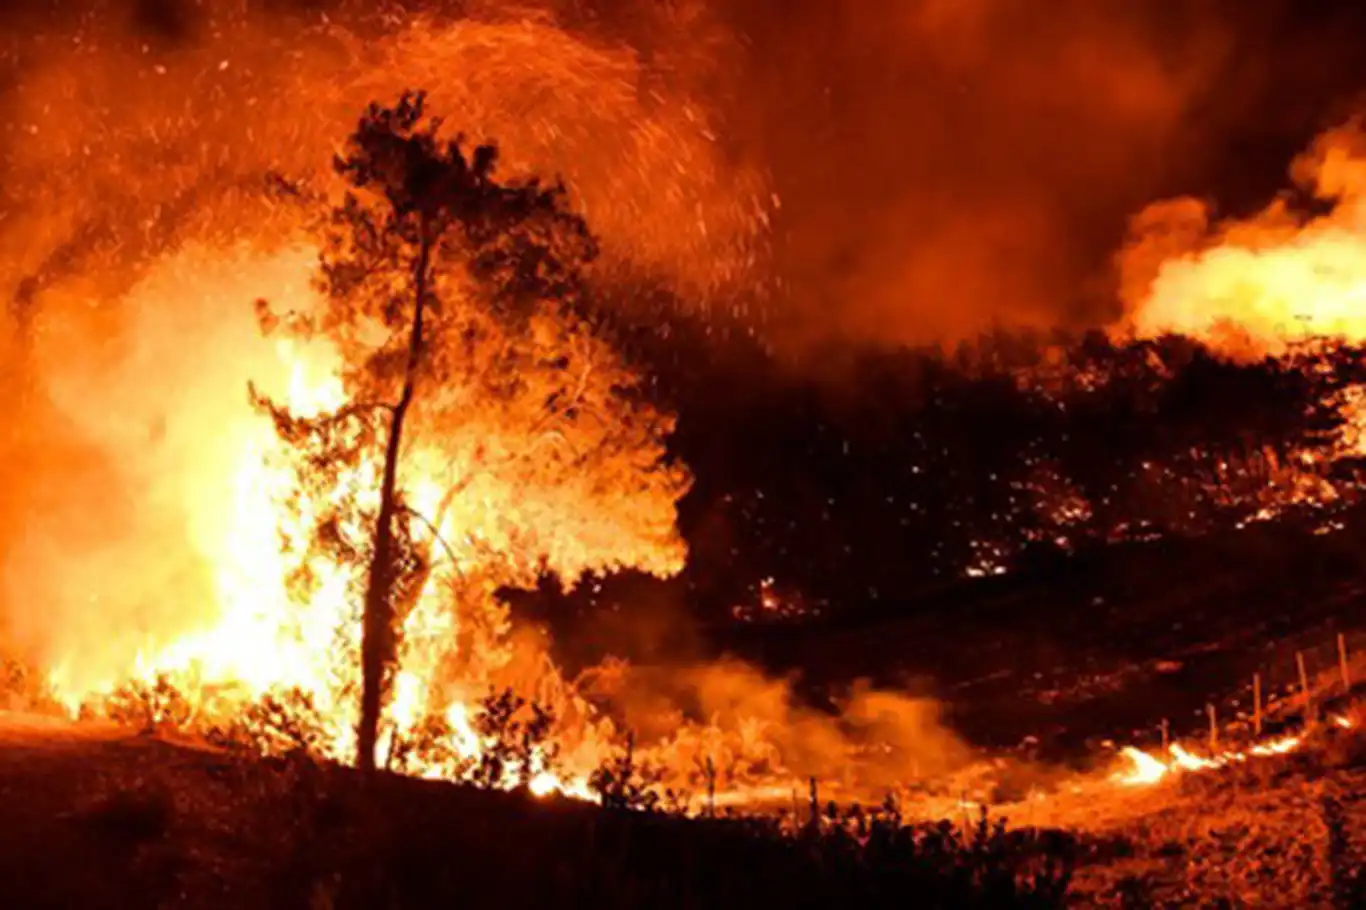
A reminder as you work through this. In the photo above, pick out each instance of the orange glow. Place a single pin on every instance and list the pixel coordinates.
(167, 547)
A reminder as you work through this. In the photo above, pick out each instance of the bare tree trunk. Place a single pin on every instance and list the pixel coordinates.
(377, 621)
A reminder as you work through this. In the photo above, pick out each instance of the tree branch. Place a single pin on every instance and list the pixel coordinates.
(436, 535)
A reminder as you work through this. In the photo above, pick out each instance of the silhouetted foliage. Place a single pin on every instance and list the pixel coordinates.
(622, 782)
(516, 738)
(908, 468)
(276, 724)
(149, 705)
(422, 224)
(23, 688)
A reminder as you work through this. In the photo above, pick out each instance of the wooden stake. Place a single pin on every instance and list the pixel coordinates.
(1257, 703)
(1213, 729)
(711, 788)
(1342, 663)
(1166, 738)
(1304, 681)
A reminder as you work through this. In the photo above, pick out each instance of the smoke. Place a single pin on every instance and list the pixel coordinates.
(923, 170)
(939, 161)
(755, 730)
(937, 168)
(130, 131)
(640, 657)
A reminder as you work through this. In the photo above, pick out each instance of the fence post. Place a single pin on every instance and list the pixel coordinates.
(1257, 704)
(1342, 663)
(815, 805)
(1304, 683)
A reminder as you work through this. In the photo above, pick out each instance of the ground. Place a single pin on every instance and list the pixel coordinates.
(98, 817)
(1287, 833)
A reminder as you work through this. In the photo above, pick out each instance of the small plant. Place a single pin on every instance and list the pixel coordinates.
(623, 783)
(516, 740)
(430, 743)
(150, 706)
(22, 688)
(279, 723)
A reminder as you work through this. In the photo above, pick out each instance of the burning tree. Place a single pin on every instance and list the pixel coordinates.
(489, 432)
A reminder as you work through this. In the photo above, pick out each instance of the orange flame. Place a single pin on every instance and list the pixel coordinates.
(1147, 768)
(1257, 287)
(228, 627)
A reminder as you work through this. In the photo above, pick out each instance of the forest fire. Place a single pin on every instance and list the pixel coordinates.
(199, 550)
(256, 636)
(211, 589)
(502, 452)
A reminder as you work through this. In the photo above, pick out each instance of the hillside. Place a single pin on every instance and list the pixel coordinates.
(98, 818)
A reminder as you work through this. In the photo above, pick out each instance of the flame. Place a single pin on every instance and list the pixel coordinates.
(254, 637)
(1147, 769)
(205, 599)
(230, 628)
(1258, 287)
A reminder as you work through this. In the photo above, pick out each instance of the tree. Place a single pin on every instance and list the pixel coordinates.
(457, 305)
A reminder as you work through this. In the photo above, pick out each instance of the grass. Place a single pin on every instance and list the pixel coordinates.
(138, 822)
(1277, 832)
(118, 819)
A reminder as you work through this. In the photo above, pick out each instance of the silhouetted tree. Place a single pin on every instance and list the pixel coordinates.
(455, 303)
(413, 199)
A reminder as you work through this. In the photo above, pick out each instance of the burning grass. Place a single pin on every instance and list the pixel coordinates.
(1277, 832)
